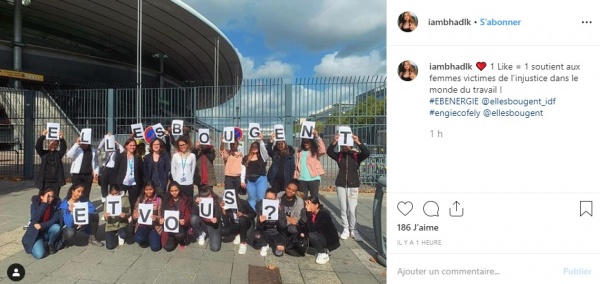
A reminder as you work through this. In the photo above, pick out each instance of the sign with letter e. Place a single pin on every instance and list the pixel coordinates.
(81, 213)
(279, 133)
(53, 130)
(138, 131)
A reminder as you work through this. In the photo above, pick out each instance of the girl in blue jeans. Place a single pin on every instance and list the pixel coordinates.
(149, 235)
(254, 172)
(45, 227)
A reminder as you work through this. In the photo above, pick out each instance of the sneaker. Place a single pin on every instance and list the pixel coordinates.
(121, 241)
(264, 250)
(243, 248)
(26, 225)
(322, 258)
(202, 239)
(345, 234)
(181, 247)
(356, 236)
(103, 200)
(92, 240)
(236, 241)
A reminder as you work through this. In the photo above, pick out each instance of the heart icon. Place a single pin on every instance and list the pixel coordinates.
(405, 207)
(481, 65)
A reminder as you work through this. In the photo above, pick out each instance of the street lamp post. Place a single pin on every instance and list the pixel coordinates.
(17, 42)
(138, 90)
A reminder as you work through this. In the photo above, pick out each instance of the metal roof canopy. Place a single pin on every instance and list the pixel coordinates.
(107, 29)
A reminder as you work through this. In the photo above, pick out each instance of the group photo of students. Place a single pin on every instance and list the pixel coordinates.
(165, 192)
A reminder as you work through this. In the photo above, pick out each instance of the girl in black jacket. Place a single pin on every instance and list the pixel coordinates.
(237, 222)
(45, 227)
(320, 228)
(347, 183)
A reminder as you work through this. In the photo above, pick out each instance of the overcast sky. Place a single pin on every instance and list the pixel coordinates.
(302, 38)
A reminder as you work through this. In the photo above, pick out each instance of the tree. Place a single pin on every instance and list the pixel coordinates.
(364, 113)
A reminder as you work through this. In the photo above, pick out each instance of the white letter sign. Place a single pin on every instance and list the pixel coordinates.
(307, 129)
(172, 221)
(81, 213)
(345, 136)
(53, 130)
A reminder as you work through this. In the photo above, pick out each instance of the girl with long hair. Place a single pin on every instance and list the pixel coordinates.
(176, 201)
(254, 173)
(283, 164)
(45, 217)
(149, 235)
(130, 171)
(308, 167)
(75, 195)
(157, 166)
(183, 165)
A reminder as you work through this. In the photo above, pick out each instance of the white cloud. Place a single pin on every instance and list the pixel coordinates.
(332, 65)
(268, 69)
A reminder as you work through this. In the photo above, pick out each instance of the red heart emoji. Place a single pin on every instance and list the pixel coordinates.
(481, 65)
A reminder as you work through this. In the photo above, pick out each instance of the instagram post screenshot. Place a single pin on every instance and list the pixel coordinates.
(195, 141)
(494, 174)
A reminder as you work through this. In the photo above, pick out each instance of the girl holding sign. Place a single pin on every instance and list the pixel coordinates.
(46, 224)
(308, 167)
(130, 172)
(233, 165)
(107, 174)
(283, 164)
(270, 232)
(175, 201)
(157, 166)
(51, 174)
(236, 222)
(204, 220)
(254, 173)
(183, 165)
(205, 170)
(347, 183)
(75, 214)
(116, 225)
(148, 234)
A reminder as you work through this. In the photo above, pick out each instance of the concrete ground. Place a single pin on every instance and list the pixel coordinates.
(353, 262)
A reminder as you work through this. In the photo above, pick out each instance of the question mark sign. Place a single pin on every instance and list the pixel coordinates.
(272, 211)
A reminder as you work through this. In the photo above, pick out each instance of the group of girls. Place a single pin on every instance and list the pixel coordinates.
(167, 182)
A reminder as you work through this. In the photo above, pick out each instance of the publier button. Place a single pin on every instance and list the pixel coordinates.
(586, 208)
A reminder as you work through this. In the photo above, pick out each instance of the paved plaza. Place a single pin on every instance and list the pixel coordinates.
(353, 262)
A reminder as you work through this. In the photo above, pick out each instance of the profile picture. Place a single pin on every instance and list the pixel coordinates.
(407, 70)
(407, 22)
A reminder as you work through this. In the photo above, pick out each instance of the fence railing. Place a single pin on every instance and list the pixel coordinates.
(358, 102)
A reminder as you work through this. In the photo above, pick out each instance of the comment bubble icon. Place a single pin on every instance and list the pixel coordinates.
(431, 209)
